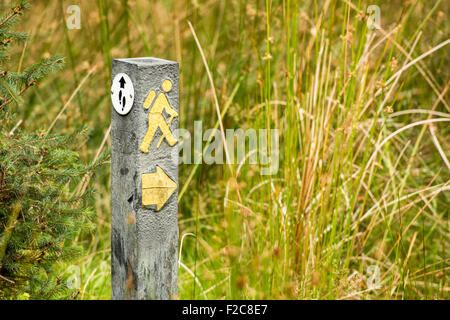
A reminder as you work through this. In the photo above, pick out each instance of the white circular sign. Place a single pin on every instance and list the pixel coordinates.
(122, 93)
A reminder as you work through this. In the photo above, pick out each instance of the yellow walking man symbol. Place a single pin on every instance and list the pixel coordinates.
(156, 119)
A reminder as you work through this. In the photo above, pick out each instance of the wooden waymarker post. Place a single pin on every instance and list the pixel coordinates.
(144, 178)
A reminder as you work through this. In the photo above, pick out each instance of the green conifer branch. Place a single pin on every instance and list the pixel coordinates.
(33, 74)
(8, 230)
(39, 211)
(10, 18)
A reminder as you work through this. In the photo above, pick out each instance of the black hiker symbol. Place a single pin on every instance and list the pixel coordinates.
(122, 99)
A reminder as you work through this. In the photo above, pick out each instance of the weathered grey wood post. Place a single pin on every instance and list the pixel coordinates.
(144, 178)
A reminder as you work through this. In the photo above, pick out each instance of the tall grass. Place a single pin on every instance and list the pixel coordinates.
(363, 115)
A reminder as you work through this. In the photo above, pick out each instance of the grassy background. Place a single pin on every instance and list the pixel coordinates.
(364, 173)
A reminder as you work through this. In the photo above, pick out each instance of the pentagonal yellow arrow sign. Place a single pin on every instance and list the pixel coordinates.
(157, 188)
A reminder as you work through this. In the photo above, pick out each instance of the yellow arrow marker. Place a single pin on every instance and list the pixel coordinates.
(157, 188)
